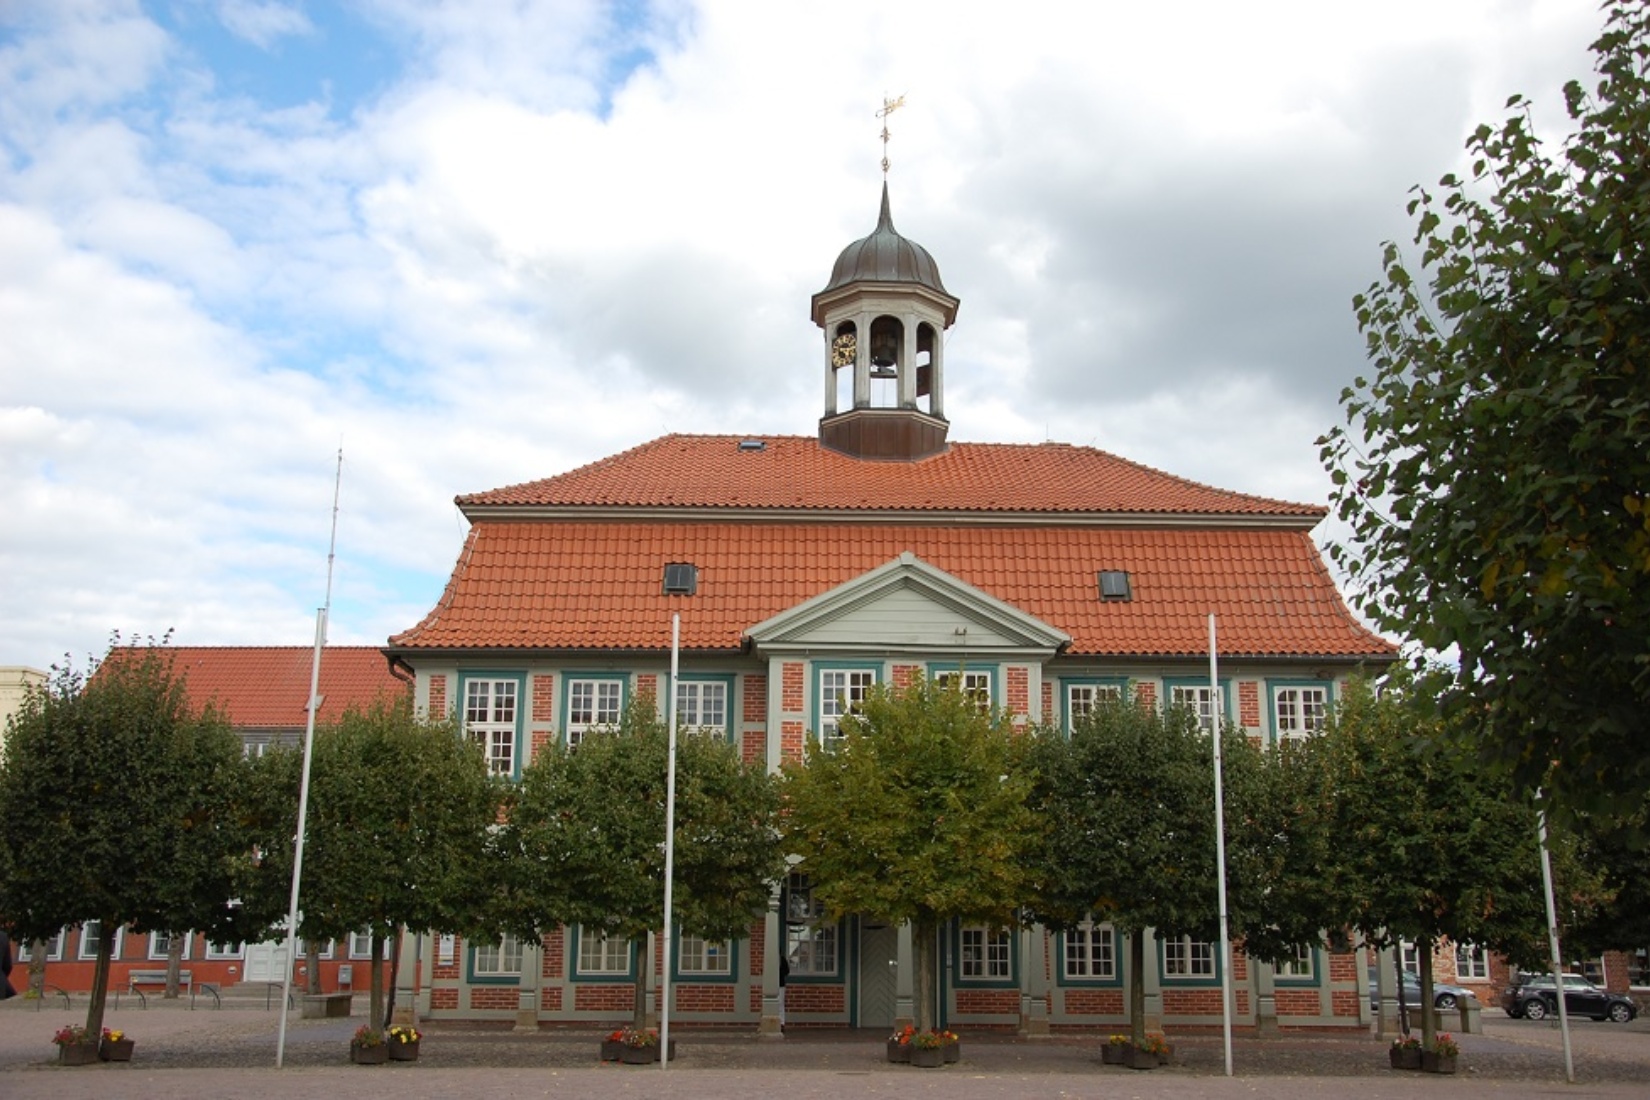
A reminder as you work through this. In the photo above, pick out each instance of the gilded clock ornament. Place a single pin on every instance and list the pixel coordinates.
(843, 350)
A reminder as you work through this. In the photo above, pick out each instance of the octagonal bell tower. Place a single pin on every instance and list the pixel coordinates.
(884, 315)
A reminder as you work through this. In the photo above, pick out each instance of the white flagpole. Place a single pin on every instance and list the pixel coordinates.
(670, 844)
(1552, 943)
(1220, 853)
(311, 708)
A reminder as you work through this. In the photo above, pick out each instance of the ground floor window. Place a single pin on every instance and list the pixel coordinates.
(1090, 953)
(810, 939)
(1184, 957)
(160, 945)
(1472, 962)
(601, 955)
(498, 960)
(984, 954)
(702, 958)
(1298, 966)
(54, 948)
(91, 939)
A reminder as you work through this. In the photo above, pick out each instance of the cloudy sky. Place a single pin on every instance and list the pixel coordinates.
(477, 242)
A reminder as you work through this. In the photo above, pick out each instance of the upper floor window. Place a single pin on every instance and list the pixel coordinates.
(702, 705)
(1082, 697)
(841, 692)
(984, 954)
(592, 703)
(1090, 953)
(1184, 957)
(1472, 962)
(975, 684)
(491, 710)
(1299, 710)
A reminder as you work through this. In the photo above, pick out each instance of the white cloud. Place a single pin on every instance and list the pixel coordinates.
(263, 23)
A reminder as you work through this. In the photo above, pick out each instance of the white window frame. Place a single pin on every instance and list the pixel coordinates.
(702, 705)
(1090, 953)
(1202, 700)
(360, 945)
(83, 954)
(1409, 958)
(1186, 959)
(160, 942)
(492, 716)
(222, 951)
(974, 684)
(1299, 711)
(841, 691)
(811, 943)
(601, 955)
(497, 960)
(1301, 968)
(593, 702)
(699, 957)
(1472, 962)
(1083, 696)
(984, 954)
(54, 947)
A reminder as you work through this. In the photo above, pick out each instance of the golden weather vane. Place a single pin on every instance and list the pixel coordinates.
(889, 106)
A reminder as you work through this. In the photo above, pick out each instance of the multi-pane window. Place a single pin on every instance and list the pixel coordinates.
(983, 953)
(490, 709)
(592, 704)
(91, 937)
(810, 940)
(1090, 954)
(1184, 957)
(702, 705)
(702, 957)
(603, 954)
(1300, 711)
(54, 948)
(1081, 699)
(225, 950)
(1409, 958)
(1472, 962)
(499, 960)
(160, 945)
(1297, 966)
(841, 691)
(975, 685)
(1200, 699)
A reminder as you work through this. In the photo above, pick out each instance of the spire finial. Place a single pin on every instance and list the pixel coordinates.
(889, 106)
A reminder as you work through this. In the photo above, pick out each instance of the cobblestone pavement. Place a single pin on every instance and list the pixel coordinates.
(231, 1053)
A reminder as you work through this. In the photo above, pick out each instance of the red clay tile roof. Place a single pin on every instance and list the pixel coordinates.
(590, 584)
(266, 687)
(795, 472)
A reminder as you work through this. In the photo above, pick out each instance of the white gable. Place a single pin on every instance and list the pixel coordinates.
(907, 606)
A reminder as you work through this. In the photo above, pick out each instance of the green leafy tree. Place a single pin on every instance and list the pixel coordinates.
(919, 813)
(1494, 470)
(121, 804)
(1132, 789)
(397, 830)
(1406, 839)
(584, 840)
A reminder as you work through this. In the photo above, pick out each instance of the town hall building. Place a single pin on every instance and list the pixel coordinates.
(808, 568)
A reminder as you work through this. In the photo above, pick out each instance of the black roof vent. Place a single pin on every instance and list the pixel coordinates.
(681, 579)
(1114, 585)
(753, 444)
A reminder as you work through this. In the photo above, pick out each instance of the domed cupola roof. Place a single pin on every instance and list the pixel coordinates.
(885, 257)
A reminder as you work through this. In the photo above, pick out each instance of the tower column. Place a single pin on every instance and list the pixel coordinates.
(907, 396)
(936, 377)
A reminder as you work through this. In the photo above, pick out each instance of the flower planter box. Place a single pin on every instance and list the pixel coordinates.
(928, 1057)
(76, 1054)
(1437, 1063)
(638, 1056)
(1405, 1057)
(898, 1051)
(953, 1052)
(402, 1052)
(1141, 1059)
(369, 1056)
(1113, 1054)
(612, 1050)
(116, 1050)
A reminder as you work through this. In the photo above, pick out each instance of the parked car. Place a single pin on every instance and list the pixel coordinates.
(1534, 997)
(1446, 997)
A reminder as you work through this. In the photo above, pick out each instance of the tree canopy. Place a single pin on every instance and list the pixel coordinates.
(919, 812)
(120, 804)
(1494, 469)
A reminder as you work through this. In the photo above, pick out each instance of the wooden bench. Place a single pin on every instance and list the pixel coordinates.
(135, 978)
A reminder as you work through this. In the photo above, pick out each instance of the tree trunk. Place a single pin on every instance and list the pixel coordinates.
(100, 975)
(174, 966)
(375, 1004)
(922, 942)
(312, 967)
(644, 967)
(1137, 985)
(37, 968)
(1429, 1013)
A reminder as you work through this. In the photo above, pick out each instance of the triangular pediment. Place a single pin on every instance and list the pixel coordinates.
(907, 606)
